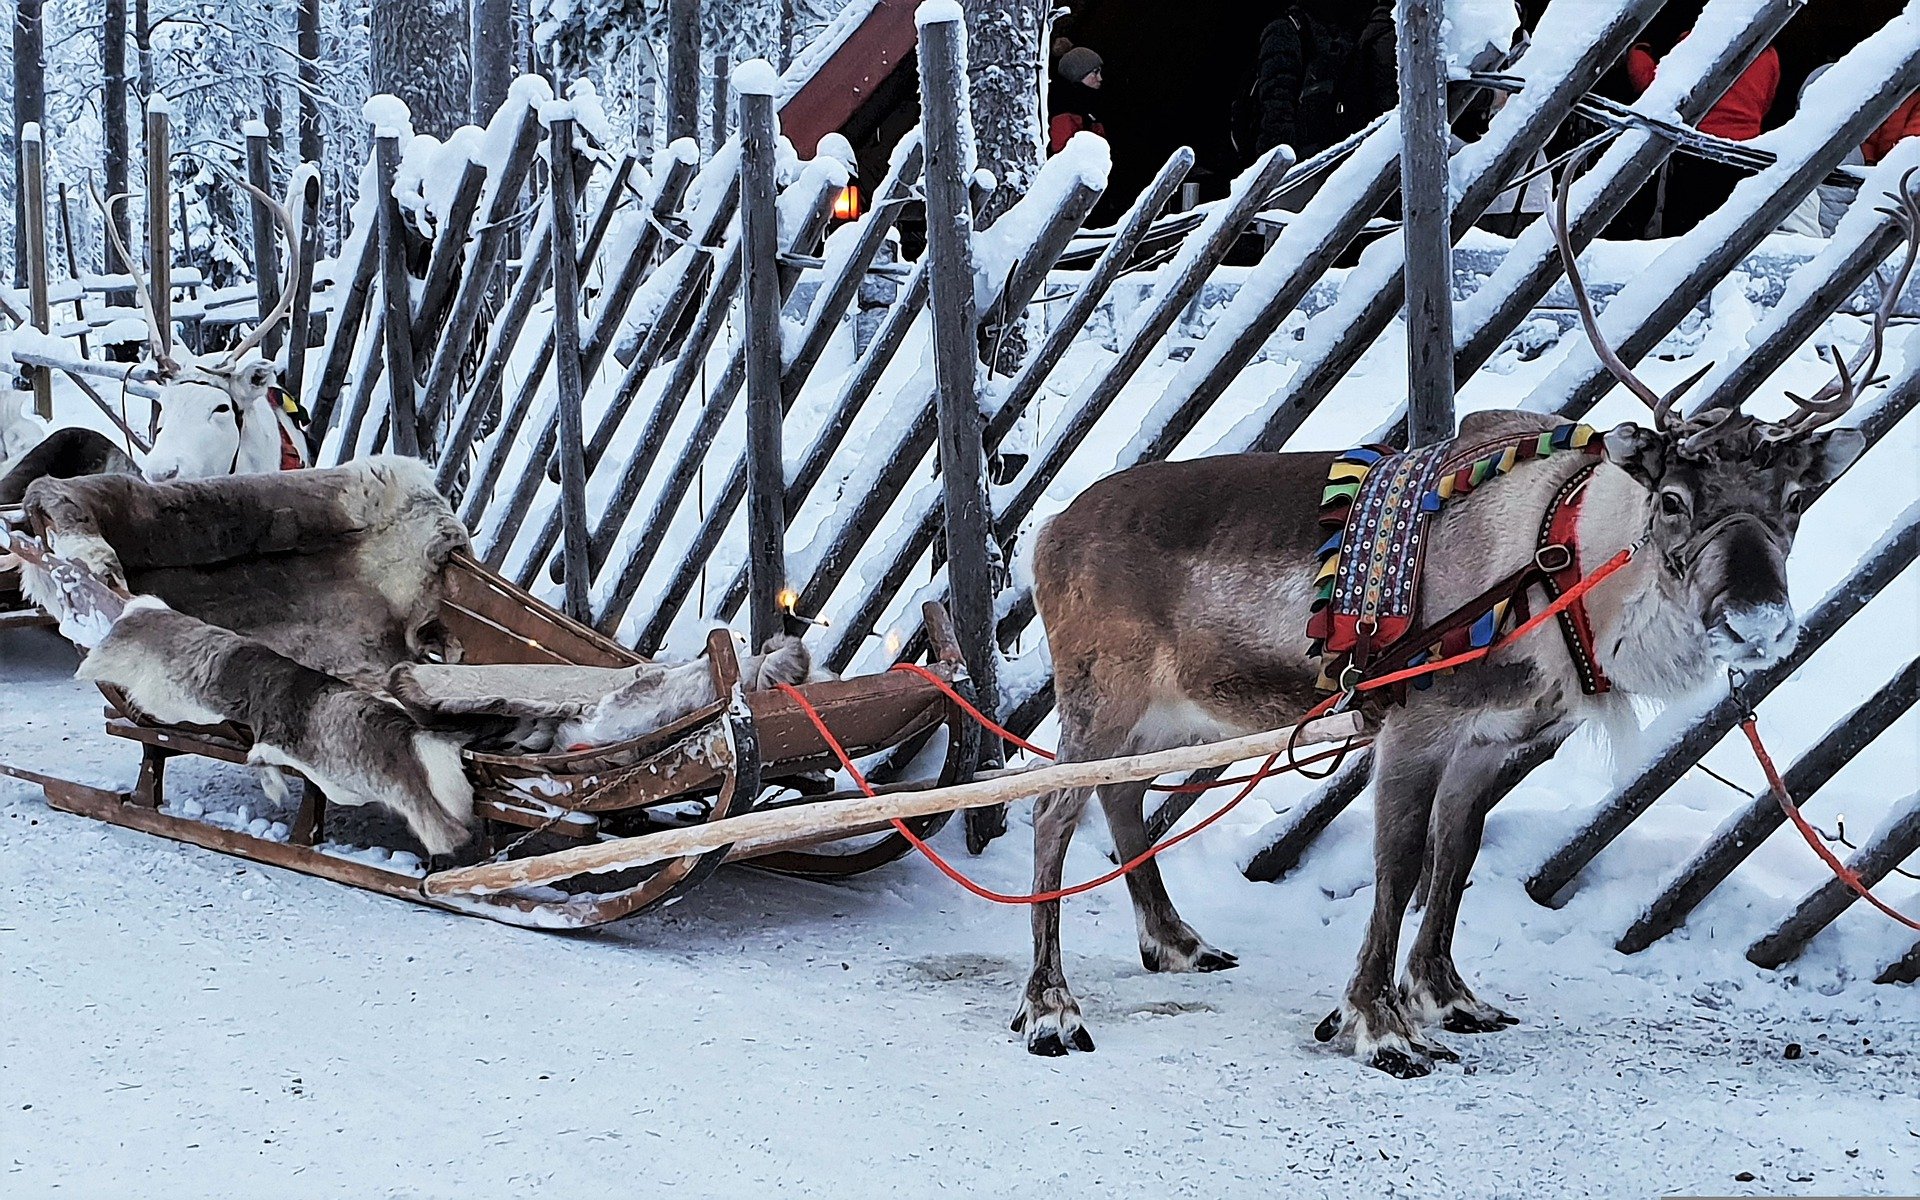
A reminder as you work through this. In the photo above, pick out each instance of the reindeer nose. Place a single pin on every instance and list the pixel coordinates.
(1757, 635)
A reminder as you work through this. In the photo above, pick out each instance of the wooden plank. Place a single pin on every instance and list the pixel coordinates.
(396, 299)
(159, 210)
(760, 294)
(449, 250)
(561, 201)
(1426, 207)
(830, 817)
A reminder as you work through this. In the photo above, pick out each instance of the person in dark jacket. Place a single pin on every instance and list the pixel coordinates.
(1073, 99)
(1325, 68)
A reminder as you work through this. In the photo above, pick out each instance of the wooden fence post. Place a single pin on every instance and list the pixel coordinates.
(970, 567)
(1427, 208)
(760, 293)
(159, 218)
(1742, 834)
(33, 181)
(396, 299)
(266, 254)
(683, 69)
(566, 364)
(73, 264)
(300, 319)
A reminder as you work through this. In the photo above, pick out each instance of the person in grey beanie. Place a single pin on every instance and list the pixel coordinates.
(1072, 101)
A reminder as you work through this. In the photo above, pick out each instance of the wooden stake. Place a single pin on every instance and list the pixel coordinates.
(159, 218)
(266, 252)
(829, 817)
(73, 263)
(1426, 206)
(300, 317)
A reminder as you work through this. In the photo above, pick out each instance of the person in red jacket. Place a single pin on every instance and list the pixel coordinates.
(1697, 187)
(1073, 98)
(1903, 124)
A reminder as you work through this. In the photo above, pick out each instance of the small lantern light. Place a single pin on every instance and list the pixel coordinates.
(846, 206)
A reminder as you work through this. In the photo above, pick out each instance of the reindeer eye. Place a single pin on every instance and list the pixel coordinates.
(220, 408)
(1672, 505)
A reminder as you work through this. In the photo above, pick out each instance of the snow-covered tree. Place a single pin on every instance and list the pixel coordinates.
(420, 55)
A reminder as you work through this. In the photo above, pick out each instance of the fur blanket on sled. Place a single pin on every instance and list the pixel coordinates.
(306, 606)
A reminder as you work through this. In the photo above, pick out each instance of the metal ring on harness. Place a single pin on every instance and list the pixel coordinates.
(1553, 557)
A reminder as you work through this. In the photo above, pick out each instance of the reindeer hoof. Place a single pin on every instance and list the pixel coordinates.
(1400, 1065)
(1052, 1024)
(1491, 1021)
(984, 825)
(1328, 1028)
(1198, 957)
(1437, 1052)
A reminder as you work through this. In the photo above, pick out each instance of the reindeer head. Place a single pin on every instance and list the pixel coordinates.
(213, 415)
(1726, 490)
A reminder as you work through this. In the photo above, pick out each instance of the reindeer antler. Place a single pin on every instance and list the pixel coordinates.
(156, 341)
(1831, 402)
(1662, 405)
(290, 229)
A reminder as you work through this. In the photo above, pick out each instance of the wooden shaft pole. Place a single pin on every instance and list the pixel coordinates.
(1427, 209)
(832, 816)
(1893, 844)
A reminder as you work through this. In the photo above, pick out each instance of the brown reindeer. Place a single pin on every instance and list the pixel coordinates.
(1175, 597)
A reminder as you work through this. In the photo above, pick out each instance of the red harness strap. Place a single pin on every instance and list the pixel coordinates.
(1559, 560)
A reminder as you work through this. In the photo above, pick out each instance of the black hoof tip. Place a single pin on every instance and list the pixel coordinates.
(1215, 960)
(1019, 1021)
(983, 825)
(1439, 1053)
(1049, 1046)
(1400, 1066)
(1327, 1028)
(1082, 1040)
(1462, 1022)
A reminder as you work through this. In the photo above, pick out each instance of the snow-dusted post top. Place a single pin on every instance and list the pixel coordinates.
(1427, 224)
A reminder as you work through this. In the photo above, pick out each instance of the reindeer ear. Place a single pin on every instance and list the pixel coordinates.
(1641, 453)
(1830, 452)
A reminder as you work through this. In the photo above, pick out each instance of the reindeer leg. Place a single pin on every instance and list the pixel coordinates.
(1167, 943)
(1049, 1015)
(1433, 988)
(1405, 778)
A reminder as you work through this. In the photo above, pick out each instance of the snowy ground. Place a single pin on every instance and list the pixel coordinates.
(178, 1021)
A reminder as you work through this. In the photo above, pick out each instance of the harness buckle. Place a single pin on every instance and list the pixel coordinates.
(1351, 677)
(1553, 558)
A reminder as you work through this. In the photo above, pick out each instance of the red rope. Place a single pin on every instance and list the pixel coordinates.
(1845, 874)
(946, 868)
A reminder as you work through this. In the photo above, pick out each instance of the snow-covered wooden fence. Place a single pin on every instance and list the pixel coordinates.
(588, 419)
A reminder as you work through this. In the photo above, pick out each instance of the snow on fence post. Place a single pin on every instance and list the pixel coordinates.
(300, 318)
(1741, 835)
(1892, 844)
(395, 296)
(1427, 205)
(956, 361)
(1733, 33)
(33, 182)
(1893, 555)
(1882, 71)
(566, 359)
(476, 278)
(754, 83)
(159, 218)
(266, 254)
(449, 247)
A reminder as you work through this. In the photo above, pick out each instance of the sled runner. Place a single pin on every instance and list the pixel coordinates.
(215, 549)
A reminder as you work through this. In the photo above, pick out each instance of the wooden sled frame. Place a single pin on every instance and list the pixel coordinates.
(720, 756)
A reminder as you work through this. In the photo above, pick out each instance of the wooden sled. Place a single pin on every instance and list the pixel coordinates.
(708, 766)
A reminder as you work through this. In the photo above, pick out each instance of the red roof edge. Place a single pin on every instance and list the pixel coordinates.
(870, 53)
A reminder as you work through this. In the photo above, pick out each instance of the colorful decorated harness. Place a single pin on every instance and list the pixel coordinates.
(1379, 502)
